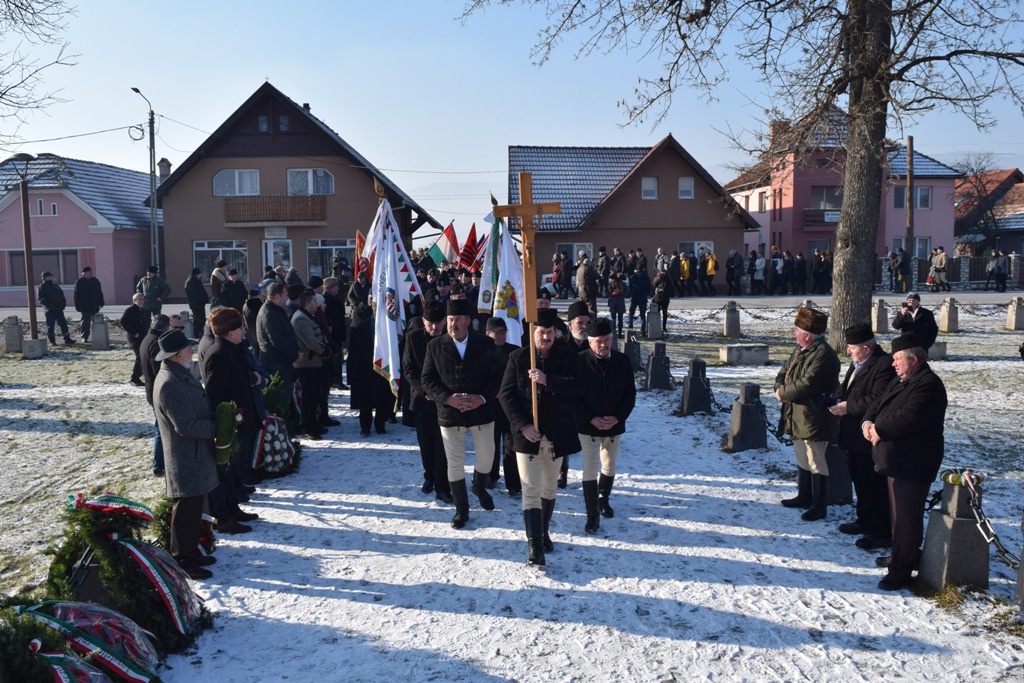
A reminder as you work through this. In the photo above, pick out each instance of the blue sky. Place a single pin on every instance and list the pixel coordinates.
(431, 101)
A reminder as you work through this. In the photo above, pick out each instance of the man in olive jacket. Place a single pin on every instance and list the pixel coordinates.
(806, 387)
(461, 373)
(866, 379)
(905, 427)
(609, 395)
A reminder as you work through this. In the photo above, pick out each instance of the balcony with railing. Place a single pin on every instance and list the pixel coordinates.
(261, 210)
(820, 219)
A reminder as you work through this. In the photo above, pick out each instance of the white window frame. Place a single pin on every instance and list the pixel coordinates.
(762, 202)
(235, 252)
(324, 266)
(685, 247)
(649, 187)
(826, 197)
(922, 197)
(236, 182)
(311, 175)
(686, 187)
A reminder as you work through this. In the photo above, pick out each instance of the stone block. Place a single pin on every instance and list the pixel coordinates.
(879, 317)
(949, 320)
(658, 375)
(747, 428)
(13, 335)
(1015, 314)
(654, 330)
(732, 321)
(33, 349)
(743, 354)
(100, 337)
(696, 392)
(840, 487)
(955, 553)
(937, 351)
(956, 501)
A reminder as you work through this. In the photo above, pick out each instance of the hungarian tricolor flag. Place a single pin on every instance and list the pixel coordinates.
(446, 248)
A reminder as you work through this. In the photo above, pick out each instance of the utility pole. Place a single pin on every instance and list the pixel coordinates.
(154, 237)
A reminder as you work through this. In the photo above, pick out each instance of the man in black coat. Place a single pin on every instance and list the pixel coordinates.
(424, 410)
(53, 301)
(234, 293)
(461, 373)
(916, 320)
(197, 300)
(905, 428)
(866, 379)
(337, 323)
(504, 452)
(558, 386)
(133, 321)
(278, 346)
(609, 395)
(88, 297)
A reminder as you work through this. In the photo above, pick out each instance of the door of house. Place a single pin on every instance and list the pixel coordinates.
(277, 253)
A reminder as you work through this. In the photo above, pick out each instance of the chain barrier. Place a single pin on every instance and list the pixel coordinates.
(973, 309)
(675, 315)
(779, 435)
(970, 479)
(788, 314)
(707, 385)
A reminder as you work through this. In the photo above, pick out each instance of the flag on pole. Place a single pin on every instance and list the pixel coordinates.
(467, 257)
(393, 287)
(488, 260)
(446, 248)
(362, 263)
(510, 294)
(481, 247)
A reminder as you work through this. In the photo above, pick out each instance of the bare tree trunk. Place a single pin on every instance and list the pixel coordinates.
(868, 41)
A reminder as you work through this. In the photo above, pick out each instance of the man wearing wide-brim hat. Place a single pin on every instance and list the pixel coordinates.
(905, 429)
(806, 387)
(187, 427)
(866, 379)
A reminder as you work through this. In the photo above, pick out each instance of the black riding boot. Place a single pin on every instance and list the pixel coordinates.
(819, 496)
(563, 473)
(480, 481)
(461, 497)
(803, 490)
(590, 500)
(547, 505)
(534, 523)
(604, 490)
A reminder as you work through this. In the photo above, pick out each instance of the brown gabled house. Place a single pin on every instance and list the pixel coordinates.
(273, 185)
(628, 197)
(990, 210)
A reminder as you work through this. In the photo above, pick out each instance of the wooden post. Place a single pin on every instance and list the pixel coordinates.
(525, 211)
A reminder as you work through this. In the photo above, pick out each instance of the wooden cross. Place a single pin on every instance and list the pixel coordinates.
(525, 210)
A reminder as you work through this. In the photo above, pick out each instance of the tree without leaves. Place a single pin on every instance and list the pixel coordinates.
(978, 197)
(880, 61)
(26, 24)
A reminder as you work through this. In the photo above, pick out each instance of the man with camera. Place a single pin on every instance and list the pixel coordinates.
(916, 320)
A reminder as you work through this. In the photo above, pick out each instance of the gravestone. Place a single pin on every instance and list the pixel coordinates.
(743, 354)
(955, 553)
(948, 318)
(654, 330)
(13, 335)
(100, 338)
(840, 487)
(732, 321)
(747, 429)
(32, 349)
(1015, 314)
(696, 390)
(879, 317)
(937, 351)
(658, 375)
(186, 317)
(632, 352)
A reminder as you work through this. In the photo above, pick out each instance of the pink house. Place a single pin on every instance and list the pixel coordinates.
(796, 202)
(82, 213)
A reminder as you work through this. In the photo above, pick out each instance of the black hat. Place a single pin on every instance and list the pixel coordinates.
(433, 312)
(458, 307)
(576, 309)
(599, 327)
(904, 342)
(547, 317)
(443, 280)
(543, 293)
(87, 269)
(196, 271)
(171, 342)
(315, 281)
(859, 334)
(152, 269)
(233, 271)
(496, 325)
(913, 295)
(47, 274)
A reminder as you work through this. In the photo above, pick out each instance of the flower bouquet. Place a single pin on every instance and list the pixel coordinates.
(273, 451)
(225, 440)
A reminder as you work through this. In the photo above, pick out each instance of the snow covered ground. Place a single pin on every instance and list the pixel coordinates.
(352, 573)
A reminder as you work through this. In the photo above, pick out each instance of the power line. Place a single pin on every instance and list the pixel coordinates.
(77, 135)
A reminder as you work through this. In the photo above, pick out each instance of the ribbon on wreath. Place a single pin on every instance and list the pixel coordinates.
(170, 582)
(110, 503)
(68, 668)
(273, 450)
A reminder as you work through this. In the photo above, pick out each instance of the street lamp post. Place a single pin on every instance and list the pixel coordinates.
(153, 236)
(26, 227)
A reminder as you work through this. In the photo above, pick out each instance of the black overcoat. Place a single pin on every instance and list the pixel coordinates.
(556, 400)
(445, 373)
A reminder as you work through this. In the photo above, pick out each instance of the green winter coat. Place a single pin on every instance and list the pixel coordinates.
(813, 379)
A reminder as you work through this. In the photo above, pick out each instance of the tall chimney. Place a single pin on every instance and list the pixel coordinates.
(165, 169)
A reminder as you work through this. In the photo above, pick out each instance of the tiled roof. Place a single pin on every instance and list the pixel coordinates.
(118, 194)
(577, 177)
(924, 166)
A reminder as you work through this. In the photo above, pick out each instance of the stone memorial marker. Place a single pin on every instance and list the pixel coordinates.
(732, 321)
(13, 335)
(100, 338)
(955, 553)
(696, 391)
(879, 317)
(948, 319)
(747, 429)
(658, 375)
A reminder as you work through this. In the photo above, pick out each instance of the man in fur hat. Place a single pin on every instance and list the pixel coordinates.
(806, 387)
(905, 429)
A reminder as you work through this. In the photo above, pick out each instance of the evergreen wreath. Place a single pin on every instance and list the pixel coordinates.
(17, 662)
(278, 402)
